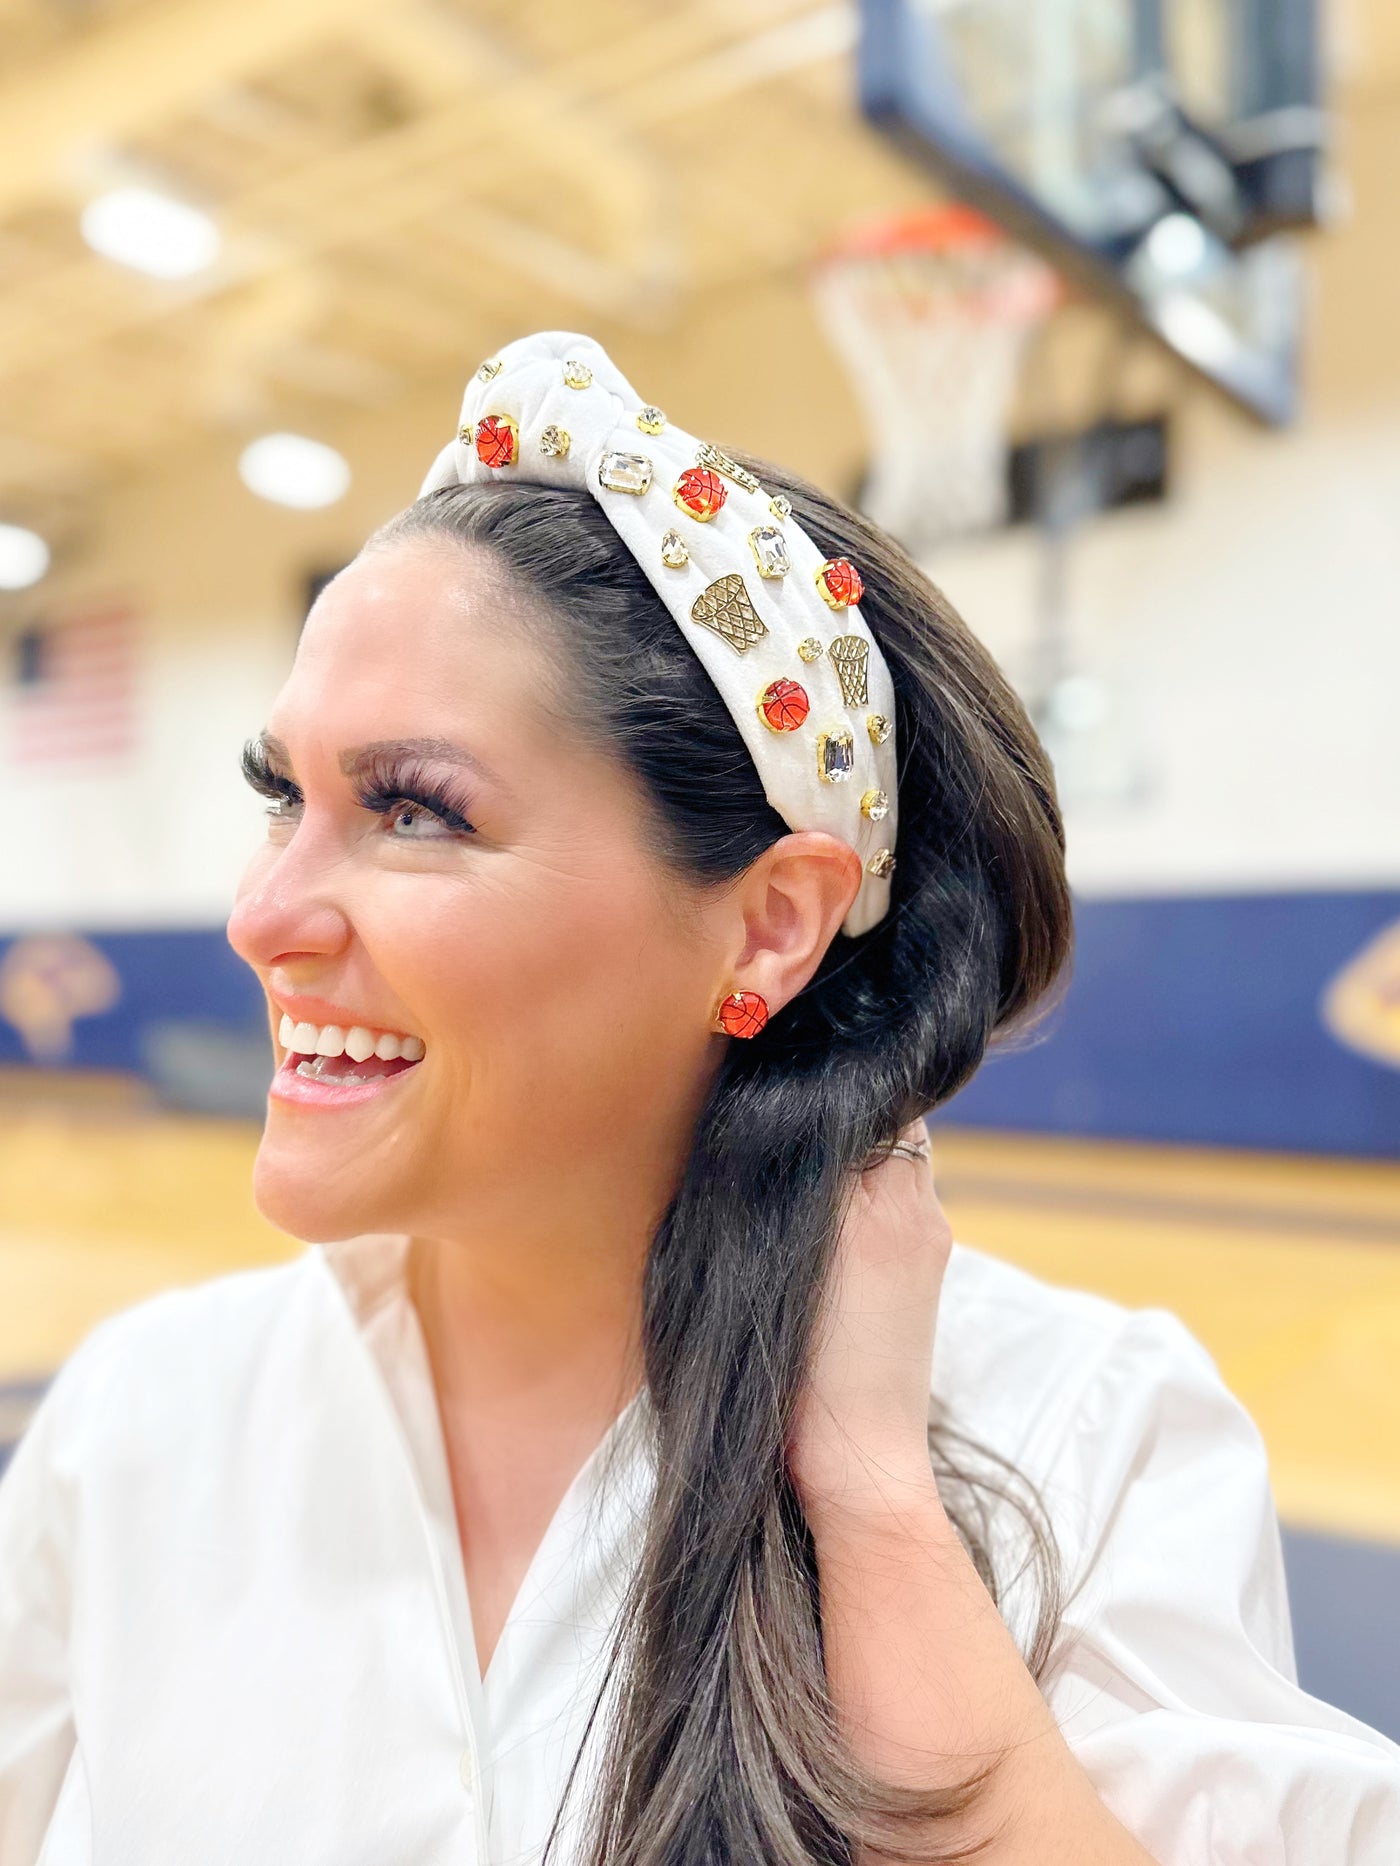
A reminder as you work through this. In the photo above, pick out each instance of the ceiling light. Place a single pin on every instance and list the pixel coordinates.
(289, 469)
(151, 232)
(24, 557)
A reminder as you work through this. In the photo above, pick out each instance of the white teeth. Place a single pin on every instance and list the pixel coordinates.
(359, 1042)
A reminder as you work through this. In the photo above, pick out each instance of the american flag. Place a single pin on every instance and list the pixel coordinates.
(73, 698)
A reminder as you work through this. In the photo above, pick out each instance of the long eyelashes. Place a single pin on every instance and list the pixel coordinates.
(384, 786)
(261, 776)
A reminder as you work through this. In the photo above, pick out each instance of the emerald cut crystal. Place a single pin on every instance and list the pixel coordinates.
(621, 472)
(770, 551)
(836, 756)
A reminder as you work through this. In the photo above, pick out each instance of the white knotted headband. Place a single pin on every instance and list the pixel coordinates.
(776, 625)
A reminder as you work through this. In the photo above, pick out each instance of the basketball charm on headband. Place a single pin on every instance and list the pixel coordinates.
(748, 588)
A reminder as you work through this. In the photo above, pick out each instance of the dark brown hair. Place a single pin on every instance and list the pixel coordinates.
(725, 1746)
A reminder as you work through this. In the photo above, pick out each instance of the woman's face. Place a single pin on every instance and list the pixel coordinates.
(561, 982)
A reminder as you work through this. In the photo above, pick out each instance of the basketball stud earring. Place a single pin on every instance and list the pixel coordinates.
(743, 1014)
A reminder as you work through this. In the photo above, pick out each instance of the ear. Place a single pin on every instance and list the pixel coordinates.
(787, 908)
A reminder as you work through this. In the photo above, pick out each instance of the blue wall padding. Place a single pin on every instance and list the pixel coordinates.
(169, 976)
(1191, 1019)
(1197, 1019)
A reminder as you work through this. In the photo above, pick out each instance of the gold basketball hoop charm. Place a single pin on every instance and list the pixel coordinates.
(850, 655)
(725, 607)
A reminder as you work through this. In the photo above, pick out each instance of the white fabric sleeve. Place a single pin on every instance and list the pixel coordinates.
(38, 1521)
(1173, 1679)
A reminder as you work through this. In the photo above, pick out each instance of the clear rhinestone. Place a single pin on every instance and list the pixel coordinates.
(878, 727)
(876, 805)
(836, 756)
(780, 506)
(675, 553)
(650, 419)
(577, 375)
(555, 441)
(621, 472)
(492, 367)
(881, 864)
(770, 551)
(810, 648)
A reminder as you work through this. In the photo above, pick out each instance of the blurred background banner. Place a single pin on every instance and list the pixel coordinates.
(73, 687)
(1093, 303)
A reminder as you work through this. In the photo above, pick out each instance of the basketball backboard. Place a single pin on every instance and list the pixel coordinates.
(1159, 152)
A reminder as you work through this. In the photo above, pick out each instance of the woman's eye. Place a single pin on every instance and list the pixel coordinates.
(424, 817)
(404, 813)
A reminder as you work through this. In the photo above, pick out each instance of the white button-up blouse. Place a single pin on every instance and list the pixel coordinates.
(234, 1625)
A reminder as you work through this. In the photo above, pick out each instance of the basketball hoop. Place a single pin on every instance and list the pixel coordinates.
(931, 312)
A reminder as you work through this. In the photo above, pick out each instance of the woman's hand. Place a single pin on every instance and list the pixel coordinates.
(926, 1679)
(860, 1433)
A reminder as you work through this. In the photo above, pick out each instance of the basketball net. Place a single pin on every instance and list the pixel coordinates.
(931, 313)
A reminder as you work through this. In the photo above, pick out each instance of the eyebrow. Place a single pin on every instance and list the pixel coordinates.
(359, 758)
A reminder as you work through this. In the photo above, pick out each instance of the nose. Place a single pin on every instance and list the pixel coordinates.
(286, 904)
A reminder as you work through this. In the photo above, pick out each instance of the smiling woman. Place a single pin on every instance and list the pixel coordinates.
(591, 1491)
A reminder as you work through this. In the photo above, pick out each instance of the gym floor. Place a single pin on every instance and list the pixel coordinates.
(1287, 1268)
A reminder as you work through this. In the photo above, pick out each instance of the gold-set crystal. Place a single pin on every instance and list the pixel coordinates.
(836, 755)
(770, 551)
(650, 419)
(555, 441)
(876, 805)
(711, 456)
(780, 506)
(675, 552)
(850, 655)
(623, 472)
(724, 606)
(881, 864)
(577, 375)
(810, 648)
(878, 727)
(489, 369)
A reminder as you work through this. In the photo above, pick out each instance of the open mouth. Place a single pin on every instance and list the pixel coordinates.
(341, 1059)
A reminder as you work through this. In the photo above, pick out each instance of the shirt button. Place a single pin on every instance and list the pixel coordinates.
(467, 1770)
